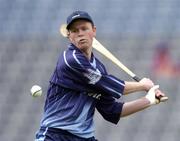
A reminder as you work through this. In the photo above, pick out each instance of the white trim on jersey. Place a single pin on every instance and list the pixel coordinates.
(117, 81)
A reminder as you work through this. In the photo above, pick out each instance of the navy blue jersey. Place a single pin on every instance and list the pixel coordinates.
(77, 87)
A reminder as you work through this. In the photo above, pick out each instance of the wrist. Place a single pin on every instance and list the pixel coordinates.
(143, 87)
(147, 101)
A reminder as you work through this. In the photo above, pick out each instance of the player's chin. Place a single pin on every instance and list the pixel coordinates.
(83, 46)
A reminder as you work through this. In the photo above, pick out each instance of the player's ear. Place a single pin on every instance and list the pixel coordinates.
(68, 34)
(94, 31)
(69, 38)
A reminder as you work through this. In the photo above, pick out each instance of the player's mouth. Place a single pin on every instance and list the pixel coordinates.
(83, 41)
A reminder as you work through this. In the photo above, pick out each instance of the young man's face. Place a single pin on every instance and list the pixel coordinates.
(81, 34)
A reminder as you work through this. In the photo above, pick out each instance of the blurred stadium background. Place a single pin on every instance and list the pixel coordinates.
(30, 44)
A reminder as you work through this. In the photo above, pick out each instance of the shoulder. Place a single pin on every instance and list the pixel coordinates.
(74, 57)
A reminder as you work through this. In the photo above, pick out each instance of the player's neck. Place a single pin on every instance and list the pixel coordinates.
(87, 53)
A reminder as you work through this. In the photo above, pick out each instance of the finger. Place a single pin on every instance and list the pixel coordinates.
(158, 94)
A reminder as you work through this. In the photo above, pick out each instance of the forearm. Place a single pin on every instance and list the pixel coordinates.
(134, 106)
(131, 87)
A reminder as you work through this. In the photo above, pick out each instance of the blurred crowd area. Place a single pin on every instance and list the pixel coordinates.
(143, 34)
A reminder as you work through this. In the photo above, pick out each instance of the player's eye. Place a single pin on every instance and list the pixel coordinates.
(85, 28)
(73, 30)
(82, 29)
